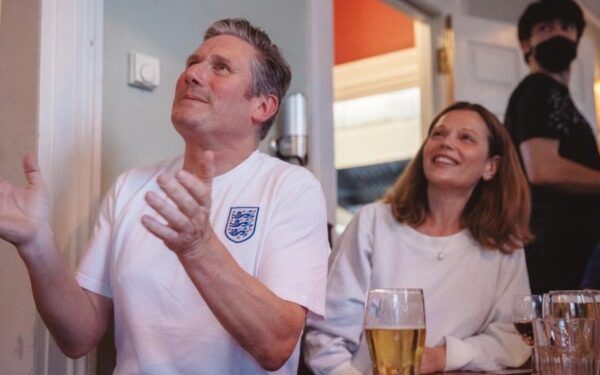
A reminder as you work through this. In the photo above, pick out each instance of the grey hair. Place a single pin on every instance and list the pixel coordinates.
(271, 74)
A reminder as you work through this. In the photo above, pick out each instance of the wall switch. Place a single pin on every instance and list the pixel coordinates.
(144, 71)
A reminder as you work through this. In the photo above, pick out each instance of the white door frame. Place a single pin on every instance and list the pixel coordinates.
(69, 123)
(320, 99)
(428, 31)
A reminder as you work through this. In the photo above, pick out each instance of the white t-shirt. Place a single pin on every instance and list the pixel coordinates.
(271, 217)
(468, 294)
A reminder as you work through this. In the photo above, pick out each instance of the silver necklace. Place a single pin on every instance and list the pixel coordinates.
(440, 255)
(442, 249)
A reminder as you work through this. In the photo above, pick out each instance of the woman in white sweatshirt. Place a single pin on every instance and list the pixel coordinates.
(454, 224)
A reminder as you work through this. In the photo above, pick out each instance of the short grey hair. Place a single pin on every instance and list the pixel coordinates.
(271, 74)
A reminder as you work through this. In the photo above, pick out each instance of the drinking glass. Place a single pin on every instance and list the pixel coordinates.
(596, 296)
(566, 346)
(395, 330)
(526, 308)
(569, 304)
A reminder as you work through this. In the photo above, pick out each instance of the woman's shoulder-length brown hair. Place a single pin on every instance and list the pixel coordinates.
(497, 213)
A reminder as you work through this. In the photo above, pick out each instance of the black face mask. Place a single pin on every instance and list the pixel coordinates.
(555, 54)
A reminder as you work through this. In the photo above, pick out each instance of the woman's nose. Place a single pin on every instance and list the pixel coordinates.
(447, 141)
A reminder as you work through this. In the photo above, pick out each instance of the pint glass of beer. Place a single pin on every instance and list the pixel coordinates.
(395, 330)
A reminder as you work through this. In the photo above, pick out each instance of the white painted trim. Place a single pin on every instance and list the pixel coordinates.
(592, 12)
(423, 45)
(373, 75)
(70, 102)
(320, 99)
(415, 9)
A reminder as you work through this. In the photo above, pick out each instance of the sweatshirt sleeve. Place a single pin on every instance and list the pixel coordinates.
(331, 343)
(498, 344)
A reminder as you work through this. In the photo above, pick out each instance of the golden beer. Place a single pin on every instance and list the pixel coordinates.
(396, 351)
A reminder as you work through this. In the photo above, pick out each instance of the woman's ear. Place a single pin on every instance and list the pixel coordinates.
(491, 167)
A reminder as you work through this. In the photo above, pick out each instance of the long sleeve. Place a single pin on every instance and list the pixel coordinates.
(468, 295)
(497, 345)
(330, 344)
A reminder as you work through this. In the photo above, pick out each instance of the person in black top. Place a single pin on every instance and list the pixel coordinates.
(591, 278)
(557, 149)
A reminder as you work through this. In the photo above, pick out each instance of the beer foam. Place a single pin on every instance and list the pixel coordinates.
(406, 327)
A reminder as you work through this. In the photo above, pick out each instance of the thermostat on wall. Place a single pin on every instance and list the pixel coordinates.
(144, 71)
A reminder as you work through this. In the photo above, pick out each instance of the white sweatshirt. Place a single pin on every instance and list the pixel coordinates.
(468, 292)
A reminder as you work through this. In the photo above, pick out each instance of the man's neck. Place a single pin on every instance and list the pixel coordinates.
(225, 159)
(561, 77)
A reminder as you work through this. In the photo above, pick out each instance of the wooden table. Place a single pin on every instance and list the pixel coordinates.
(525, 372)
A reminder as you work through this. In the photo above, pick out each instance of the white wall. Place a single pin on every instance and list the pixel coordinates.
(19, 41)
(505, 10)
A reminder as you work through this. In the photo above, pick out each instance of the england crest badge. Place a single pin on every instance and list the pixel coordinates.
(241, 223)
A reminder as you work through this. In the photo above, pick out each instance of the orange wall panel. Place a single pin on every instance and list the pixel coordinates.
(365, 28)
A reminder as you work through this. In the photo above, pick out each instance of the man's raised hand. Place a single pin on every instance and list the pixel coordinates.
(24, 211)
(187, 229)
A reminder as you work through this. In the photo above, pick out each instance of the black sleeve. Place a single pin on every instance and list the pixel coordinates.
(538, 111)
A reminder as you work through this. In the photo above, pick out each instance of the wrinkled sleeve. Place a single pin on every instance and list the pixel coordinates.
(498, 344)
(331, 343)
(93, 272)
(295, 262)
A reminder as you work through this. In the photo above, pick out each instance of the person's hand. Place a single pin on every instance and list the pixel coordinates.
(433, 360)
(187, 229)
(24, 211)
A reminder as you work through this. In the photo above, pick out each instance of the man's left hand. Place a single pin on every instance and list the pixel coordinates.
(187, 230)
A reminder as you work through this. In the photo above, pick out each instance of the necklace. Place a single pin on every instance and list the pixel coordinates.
(440, 255)
(440, 242)
(442, 249)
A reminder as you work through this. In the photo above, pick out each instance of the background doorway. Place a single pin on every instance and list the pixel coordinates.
(378, 100)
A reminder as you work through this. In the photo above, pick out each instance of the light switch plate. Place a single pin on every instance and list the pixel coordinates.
(144, 71)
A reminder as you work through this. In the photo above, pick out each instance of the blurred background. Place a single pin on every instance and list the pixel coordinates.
(372, 72)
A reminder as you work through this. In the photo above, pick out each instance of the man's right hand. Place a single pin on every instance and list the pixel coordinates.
(24, 211)
(76, 318)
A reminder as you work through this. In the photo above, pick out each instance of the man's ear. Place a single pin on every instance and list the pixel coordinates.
(527, 50)
(264, 107)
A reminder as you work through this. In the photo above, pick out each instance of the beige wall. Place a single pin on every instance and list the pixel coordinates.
(19, 45)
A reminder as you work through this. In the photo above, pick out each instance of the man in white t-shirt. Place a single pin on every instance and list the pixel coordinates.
(209, 262)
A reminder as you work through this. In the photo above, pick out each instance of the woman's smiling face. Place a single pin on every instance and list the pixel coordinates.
(456, 153)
